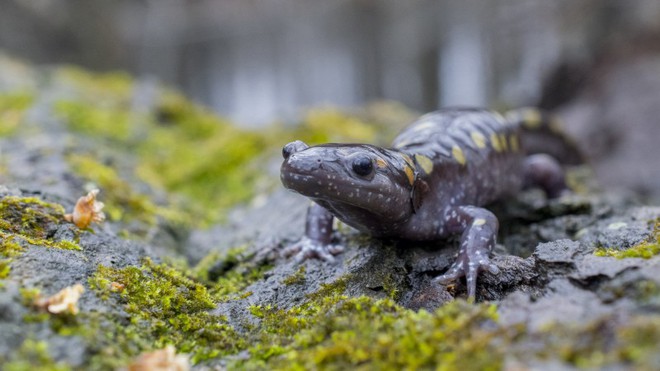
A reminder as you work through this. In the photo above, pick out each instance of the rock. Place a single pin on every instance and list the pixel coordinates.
(226, 295)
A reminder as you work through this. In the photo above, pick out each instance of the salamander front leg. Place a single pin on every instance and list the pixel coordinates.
(478, 228)
(316, 243)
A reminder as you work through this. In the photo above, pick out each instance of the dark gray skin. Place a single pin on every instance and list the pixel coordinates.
(431, 185)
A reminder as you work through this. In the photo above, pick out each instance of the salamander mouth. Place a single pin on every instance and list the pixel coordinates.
(297, 182)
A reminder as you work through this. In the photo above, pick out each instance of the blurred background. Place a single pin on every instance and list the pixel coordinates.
(594, 62)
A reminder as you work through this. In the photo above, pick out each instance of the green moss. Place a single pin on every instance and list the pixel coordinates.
(645, 250)
(12, 111)
(9, 248)
(28, 219)
(165, 307)
(105, 122)
(192, 152)
(228, 274)
(297, 278)
(33, 355)
(4, 268)
(122, 202)
(606, 342)
(337, 332)
(29, 296)
(110, 88)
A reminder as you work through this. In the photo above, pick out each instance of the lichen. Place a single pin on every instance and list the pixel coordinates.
(645, 250)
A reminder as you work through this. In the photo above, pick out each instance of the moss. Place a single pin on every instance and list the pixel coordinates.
(123, 203)
(165, 307)
(29, 296)
(4, 268)
(33, 355)
(607, 342)
(638, 342)
(297, 278)
(105, 122)
(9, 248)
(337, 332)
(97, 88)
(29, 219)
(192, 152)
(644, 250)
(12, 111)
(228, 274)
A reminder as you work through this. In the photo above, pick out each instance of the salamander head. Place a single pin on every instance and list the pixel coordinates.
(350, 178)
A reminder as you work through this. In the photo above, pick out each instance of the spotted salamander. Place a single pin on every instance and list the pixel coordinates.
(433, 183)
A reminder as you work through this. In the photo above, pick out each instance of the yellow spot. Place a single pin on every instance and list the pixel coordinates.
(503, 142)
(513, 142)
(425, 162)
(495, 142)
(457, 152)
(410, 174)
(479, 221)
(531, 118)
(381, 163)
(478, 139)
(409, 161)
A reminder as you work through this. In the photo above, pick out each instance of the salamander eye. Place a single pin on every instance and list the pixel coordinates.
(363, 166)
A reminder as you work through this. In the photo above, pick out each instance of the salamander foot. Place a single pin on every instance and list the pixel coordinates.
(308, 248)
(469, 265)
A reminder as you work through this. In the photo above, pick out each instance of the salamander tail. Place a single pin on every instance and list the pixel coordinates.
(542, 133)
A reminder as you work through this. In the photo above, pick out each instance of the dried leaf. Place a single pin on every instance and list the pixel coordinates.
(86, 211)
(164, 359)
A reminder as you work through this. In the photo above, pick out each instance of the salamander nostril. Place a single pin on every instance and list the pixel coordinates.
(292, 148)
(286, 151)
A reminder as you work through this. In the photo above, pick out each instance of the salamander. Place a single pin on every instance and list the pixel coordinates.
(431, 184)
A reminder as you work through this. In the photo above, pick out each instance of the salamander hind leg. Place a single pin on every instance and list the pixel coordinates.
(316, 243)
(544, 171)
(478, 228)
